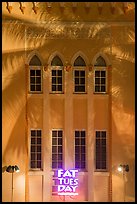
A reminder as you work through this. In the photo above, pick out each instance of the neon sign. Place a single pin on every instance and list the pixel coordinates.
(68, 182)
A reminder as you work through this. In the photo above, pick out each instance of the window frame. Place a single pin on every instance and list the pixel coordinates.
(81, 169)
(106, 169)
(57, 68)
(36, 68)
(79, 68)
(101, 68)
(32, 168)
(57, 129)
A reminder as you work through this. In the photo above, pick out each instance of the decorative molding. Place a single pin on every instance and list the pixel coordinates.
(22, 7)
(9, 6)
(68, 67)
(35, 7)
(100, 7)
(45, 67)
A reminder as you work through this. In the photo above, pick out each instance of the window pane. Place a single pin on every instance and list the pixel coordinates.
(77, 141)
(83, 141)
(59, 141)
(97, 133)
(32, 164)
(82, 133)
(103, 73)
(38, 72)
(97, 88)
(33, 133)
(59, 80)
(76, 88)
(60, 165)
(59, 87)
(103, 80)
(82, 73)
(38, 133)
(38, 80)
(53, 80)
(77, 157)
(59, 72)
(54, 141)
(77, 149)
(83, 157)
(77, 165)
(83, 165)
(76, 73)
(32, 156)
(59, 156)
(54, 156)
(54, 149)
(59, 149)
(32, 140)
(59, 133)
(103, 89)
(38, 87)
(38, 156)
(54, 133)
(32, 80)
(32, 72)
(77, 134)
(97, 73)
(103, 133)
(82, 149)
(33, 149)
(53, 87)
(76, 80)
(82, 81)
(38, 164)
(38, 148)
(32, 87)
(53, 72)
(54, 165)
(97, 80)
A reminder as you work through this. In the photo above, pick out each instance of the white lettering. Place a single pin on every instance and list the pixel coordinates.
(67, 173)
(60, 172)
(73, 172)
(61, 188)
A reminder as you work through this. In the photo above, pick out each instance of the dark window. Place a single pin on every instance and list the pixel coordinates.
(57, 151)
(100, 81)
(80, 149)
(79, 76)
(35, 155)
(100, 150)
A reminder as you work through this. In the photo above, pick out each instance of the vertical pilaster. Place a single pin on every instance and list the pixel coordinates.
(68, 129)
(46, 142)
(90, 136)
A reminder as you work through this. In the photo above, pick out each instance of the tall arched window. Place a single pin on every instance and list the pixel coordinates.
(35, 75)
(100, 74)
(79, 75)
(56, 75)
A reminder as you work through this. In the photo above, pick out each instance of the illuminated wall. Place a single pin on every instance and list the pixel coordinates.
(72, 32)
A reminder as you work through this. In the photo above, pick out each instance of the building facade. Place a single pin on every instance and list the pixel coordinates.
(68, 101)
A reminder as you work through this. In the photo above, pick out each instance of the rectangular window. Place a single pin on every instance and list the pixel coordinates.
(35, 80)
(57, 80)
(35, 150)
(79, 80)
(101, 150)
(80, 149)
(100, 81)
(57, 149)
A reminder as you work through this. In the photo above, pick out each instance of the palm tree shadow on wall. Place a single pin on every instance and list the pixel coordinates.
(16, 32)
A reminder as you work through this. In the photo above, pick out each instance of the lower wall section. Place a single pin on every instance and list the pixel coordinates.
(101, 188)
(35, 188)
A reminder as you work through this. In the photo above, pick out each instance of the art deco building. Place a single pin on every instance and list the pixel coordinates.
(68, 100)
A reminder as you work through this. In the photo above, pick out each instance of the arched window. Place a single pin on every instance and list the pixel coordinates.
(79, 75)
(100, 75)
(57, 75)
(35, 75)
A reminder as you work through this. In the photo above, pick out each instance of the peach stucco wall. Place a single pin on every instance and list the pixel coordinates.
(113, 36)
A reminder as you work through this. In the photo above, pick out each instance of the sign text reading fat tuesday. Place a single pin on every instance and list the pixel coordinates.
(68, 183)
